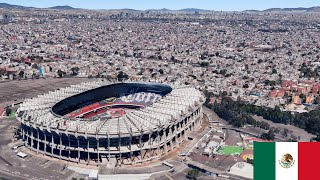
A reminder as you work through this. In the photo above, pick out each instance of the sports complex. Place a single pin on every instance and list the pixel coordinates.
(110, 123)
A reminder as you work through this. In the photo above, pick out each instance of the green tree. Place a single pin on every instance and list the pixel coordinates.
(61, 73)
(21, 73)
(75, 71)
(35, 66)
(317, 100)
(303, 97)
(193, 174)
(268, 136)
(249, 160)
(8, 111)
(274, 71)
(122, 76)
(317, 139)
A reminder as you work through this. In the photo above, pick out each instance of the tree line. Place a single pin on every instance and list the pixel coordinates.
(238, 113)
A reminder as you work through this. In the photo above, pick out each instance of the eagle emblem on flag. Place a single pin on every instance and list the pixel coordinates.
(286, 161)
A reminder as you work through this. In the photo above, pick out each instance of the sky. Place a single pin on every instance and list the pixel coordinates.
(225, 5)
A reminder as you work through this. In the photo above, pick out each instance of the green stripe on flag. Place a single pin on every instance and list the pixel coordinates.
(264, 160)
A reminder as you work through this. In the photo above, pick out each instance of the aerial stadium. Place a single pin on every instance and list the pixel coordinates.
(110, 123)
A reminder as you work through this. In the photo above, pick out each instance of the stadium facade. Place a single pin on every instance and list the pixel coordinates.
(78, 124)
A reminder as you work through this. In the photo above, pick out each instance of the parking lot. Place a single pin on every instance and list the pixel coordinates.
(31, 167)
(16, 90)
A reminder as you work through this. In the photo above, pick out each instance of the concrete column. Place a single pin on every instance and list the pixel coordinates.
(120, 148)
(171, 142)
(130, 147)
(158, 139)
(88, 150)
(32, 139)
(27, 144)
(108, 146)
(78, 150)
(98, 151)
(184, 129)
(176, 134)
(38, 141)
(45, 142)
(52, 145)
(150, 143)
(165, 141)
(69, 152)
(23, 134)
(60, 146)
(140, 144)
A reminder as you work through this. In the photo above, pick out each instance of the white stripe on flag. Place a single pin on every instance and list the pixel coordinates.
(291, 172)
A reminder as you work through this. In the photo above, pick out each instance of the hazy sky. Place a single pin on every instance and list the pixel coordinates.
(170, 4)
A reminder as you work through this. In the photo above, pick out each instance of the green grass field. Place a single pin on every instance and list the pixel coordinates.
(13, 115)
(231, 150)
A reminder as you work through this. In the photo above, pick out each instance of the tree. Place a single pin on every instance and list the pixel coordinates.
(35, 66)
(173, 59)
(193, 174)
(249, 160)
(75, 71)
(303, 98)
(21, 73)
(317, 100)
(224, 93)
(8, 111)
(285, 132)
(61, 73)
(268, 136)
(274, 71)
(269, 83)
(238, 113)
(204, 64)
(122, 76)
(317, 139)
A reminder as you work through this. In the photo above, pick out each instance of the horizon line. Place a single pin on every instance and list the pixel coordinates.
(163, 8)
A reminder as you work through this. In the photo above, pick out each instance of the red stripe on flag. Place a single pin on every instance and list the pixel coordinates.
(309, 159)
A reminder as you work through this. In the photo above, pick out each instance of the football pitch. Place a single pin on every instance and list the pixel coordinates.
(231, 150)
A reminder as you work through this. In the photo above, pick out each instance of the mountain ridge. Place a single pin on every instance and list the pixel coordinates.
(67, 7)
(64, 7)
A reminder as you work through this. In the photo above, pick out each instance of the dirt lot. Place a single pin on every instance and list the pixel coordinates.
(232, 137)
(15, 90)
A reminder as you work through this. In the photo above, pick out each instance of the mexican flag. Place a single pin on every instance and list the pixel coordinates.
(286, 160)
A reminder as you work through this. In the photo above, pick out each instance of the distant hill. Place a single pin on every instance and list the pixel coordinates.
(63, 7)
(10, 6)
(188, 10)
(314, 9)
(311, 9)
(193, 10)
